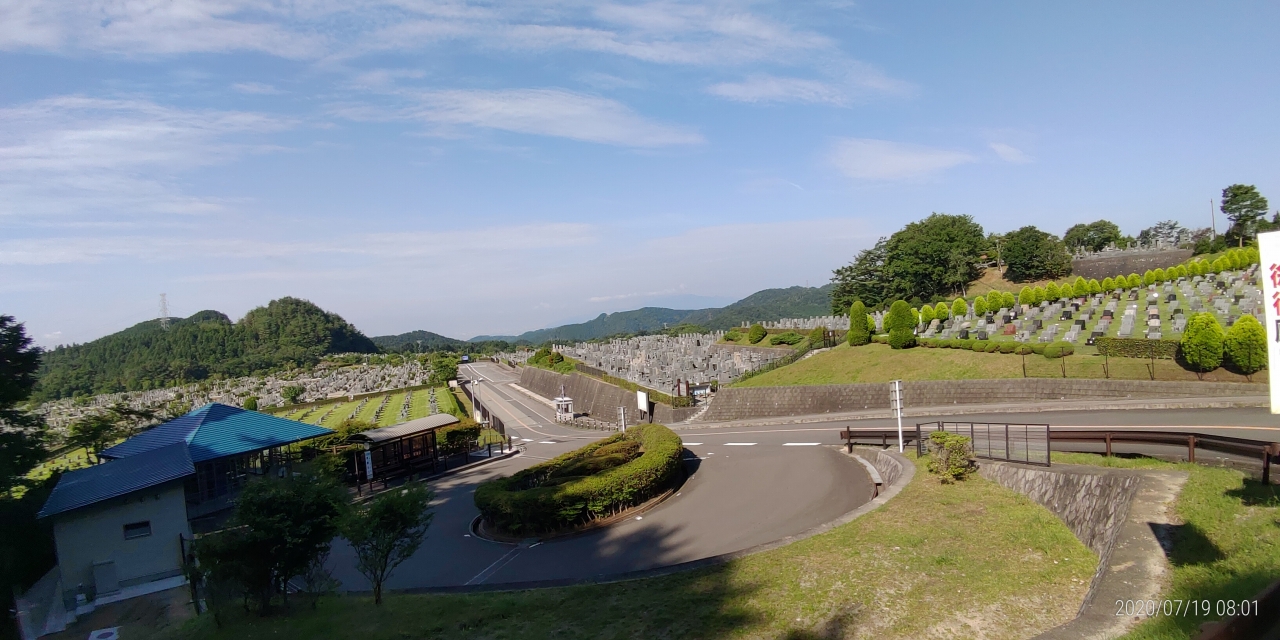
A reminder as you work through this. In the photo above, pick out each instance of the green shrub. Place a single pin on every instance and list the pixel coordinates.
(880, 339)
(541, 499)
(1137, 348)
(930, 343)
(979, 306)
(1024, 350)
(251, 403)
(993, 346)
(959, 308)
(950, 456)
(1148, 277)
(1108, 284)
(899, 317)
(1039, 294)
(858, 334)
(756, 333)
(1052, 292)
(1038, 348)
(556, 357)
(1059, 349)
(1008, 347)
(901, 339)
(816, 336)
(955, 343)
(1025, 296)
(733, 336)
(789, 338)
(1202, 343)
(1134, 281)
(1246, 345)
(1007, 301)
(1159, 275)
(978, 346)
(927, 314)
(993, 300)
(941, 311)
(457, 438)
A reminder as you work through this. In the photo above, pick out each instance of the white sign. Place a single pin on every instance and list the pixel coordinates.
(642, 401)
(368, 464)
(1269, 246)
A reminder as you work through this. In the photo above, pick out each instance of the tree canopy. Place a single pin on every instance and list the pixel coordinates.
(1244, 206)
(21, 438)
(863, 279)
(1094, 236)
(935, 256)
(1032, 254)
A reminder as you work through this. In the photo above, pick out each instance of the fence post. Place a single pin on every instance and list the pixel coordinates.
(1108, 444)
(1266, 463)
(1007, 453)
(1191, 448)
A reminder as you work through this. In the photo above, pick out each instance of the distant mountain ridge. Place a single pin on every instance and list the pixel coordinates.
(761, 306)
(419, 340)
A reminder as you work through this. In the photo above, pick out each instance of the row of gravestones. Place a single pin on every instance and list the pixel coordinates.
(660, 362)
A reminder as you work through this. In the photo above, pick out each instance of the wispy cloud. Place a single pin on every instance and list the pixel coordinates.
(1009, 153)
(544, 112)
(74, 153)
(767, 88)
(884, 160)
(256, 88)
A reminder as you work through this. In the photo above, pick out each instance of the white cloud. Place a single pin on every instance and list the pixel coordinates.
(545, 112)
(883, 160)
(73, 153)
(1010, 153)
(767, 88)
(256, 88)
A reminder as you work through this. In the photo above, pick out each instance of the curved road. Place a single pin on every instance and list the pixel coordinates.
(741, 492)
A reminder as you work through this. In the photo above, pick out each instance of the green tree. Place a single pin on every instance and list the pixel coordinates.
(1246, 345)
(387, 531)
(1052, 291)
(858, 333)
(756, 333)
(900, 324)
(1160, 275)
(1094, 286)
(1108, 284)
(1135, 281)
(1244, 206)
(1148, 277)
(1094, 236)
(934, 256)
(251, 403)
(22, 435)
(1007, 301)
(863, 279)
(1202, 343)
(1080, 286)
(993, 300)
(941, 311)
(278, 530)
(1032, 254)
(444, 367)
(927, 314)
(1039, 294)
(980, 306)
(292, 393)
(959, 308)
(1025, 295)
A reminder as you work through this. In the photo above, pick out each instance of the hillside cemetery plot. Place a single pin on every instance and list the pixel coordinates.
(659, 361)
(835, 323)
(1153, 312)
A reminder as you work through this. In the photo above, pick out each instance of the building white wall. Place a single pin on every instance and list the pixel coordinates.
(96, 534)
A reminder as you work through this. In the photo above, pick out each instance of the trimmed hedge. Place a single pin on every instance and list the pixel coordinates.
(1059, 349)
(788, 338)
(1137, 348)
(457, 438)
(1008, 347)
(549, 497)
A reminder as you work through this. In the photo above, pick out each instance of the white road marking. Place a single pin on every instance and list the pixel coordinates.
(801, 444)
(493, 568)
(739, 444)
(692, 444)
(548, 442)
(526, 439)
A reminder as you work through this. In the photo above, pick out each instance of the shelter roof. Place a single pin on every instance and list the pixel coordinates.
(217, 431)
(83, 487)
(412, 427)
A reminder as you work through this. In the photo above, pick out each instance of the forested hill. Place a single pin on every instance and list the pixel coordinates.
(419, 340)
(147, 356)
(769, 304)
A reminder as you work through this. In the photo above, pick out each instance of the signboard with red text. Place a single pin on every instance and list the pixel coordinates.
(1269, 247)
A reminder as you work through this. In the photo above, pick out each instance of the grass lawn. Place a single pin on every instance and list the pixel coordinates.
(391, 413)
(1228, 547)
(966, 560)
(880, 363)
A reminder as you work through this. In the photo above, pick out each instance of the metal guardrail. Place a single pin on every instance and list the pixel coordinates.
(1267, 452)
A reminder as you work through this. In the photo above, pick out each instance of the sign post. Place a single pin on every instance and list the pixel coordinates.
(1269, 248)
(642, 402)
(895, 403)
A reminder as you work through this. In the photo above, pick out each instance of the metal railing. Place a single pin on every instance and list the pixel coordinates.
(1025, 443)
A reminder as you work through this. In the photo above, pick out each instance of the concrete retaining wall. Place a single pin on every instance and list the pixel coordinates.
(888, 466)
(1108, 266)
(739, 403)
(600, 400)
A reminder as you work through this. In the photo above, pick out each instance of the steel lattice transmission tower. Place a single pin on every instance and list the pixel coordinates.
(164, 312)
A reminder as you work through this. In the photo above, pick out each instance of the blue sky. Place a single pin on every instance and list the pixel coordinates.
(489, 168)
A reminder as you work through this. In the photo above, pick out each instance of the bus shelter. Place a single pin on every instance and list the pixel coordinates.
(401, 449)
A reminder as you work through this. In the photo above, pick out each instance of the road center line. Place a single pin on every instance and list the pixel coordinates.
(739, 444)
(801, 444)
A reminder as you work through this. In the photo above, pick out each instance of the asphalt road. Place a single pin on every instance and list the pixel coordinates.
(741, 492)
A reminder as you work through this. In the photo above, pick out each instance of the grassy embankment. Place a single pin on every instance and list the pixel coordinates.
(965, 560)
(879, 363)
(1228, 547)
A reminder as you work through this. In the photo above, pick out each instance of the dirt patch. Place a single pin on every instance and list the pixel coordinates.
(141, 617)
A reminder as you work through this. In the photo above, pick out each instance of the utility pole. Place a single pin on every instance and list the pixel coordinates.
(1213, 220)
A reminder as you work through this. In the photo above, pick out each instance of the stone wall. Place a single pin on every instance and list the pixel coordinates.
(890, 468)
(1092, 502)
(1107, 266)
(600, 400)
(738, 403)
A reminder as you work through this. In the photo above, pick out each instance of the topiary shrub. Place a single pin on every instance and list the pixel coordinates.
(1038, 348)
(941, 311)
(1108, 284)
(1025, 295)
(1052, 292)
(756, 333)
(979, 306)
(250, 403)
(950, 456)
(547, 497)
(927, 314)
(789, 338)
(992, 346)
(900, 322)
(1039, 294)
(1007, 301)
(1202, 343)
(880, 339)
(978, 346)
(732, 336)
(1008, 347)
(1245, 345)
(901, 339)
(1059, 349)
(858, 334)
(959, 308)
(1134, 281)
(1023, 350)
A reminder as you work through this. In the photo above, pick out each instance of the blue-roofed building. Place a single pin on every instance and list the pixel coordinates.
(122, 523)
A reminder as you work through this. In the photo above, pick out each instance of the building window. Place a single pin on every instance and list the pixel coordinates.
(137, 530)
